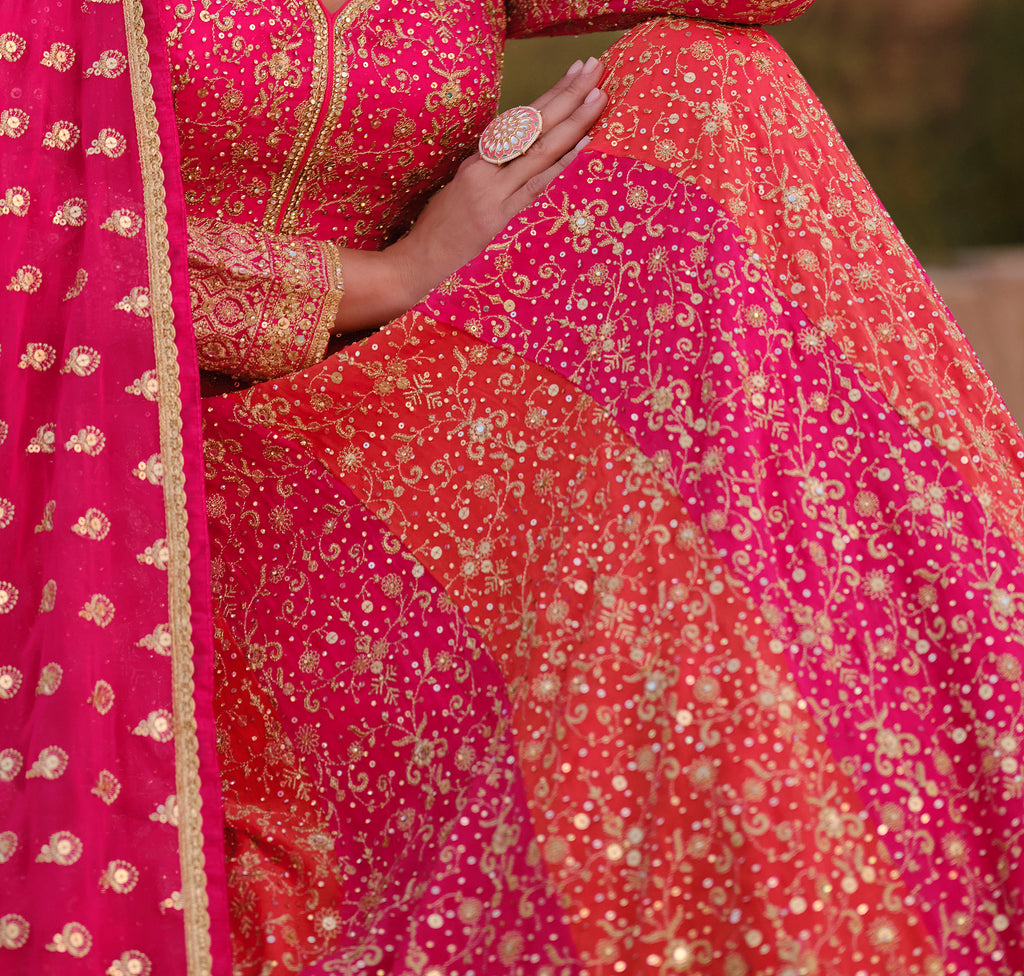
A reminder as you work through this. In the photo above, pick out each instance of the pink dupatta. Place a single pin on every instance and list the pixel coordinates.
(109, 800)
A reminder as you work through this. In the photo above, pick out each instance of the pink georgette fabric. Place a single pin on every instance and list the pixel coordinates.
(110, 826)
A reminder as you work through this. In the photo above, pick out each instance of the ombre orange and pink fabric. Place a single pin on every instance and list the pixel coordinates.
(647, 600)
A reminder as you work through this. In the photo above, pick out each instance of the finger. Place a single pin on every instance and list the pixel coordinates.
(555, 142)
(573, 72)
(530, 191)
(561, 100)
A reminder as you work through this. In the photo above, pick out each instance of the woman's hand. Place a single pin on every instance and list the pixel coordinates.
(462, 218)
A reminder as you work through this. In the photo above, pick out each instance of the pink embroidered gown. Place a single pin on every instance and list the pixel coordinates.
(647, 599)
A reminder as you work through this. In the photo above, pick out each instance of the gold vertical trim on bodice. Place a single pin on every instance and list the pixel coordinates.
(319, 125)
(194, 896)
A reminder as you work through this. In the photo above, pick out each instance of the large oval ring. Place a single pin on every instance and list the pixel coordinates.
(510, 134)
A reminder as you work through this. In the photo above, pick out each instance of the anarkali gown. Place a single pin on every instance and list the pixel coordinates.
(648, 599)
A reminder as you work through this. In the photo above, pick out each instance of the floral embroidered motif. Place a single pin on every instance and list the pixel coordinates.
(99, 609)
(10, 681)
(144, 386)
(109, 142)
(6, 512)
(44, 441)
(51, 764)
(102, 697)
(75, 289)
(12, 46)
(48, 598)
(8, 596)
(71, 213)
(46, 522)
(27, 278)
(92, 525)
(136, 302)
(63, 848)
(8, 845)
(60, 56)
(151, 470)
(159, 641)
(38, 356)
(131, 963)
(10, 764)
(49, 678)
(166, 812)
(157, 555)
(13, 122)
(16, 201)
(158, 725)
(74, 939)
(120, 877)
(172, 903)
(107, 786)
(14, 930)
(89, 440)
(82, 361)
(125, 223)
(110, 64)
(62, 135)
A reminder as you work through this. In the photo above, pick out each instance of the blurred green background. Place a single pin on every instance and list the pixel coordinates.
(929, 95)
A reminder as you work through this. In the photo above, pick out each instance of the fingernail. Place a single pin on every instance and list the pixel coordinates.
(595, 94)
(582, 144)
(591, 62)
(574, 68)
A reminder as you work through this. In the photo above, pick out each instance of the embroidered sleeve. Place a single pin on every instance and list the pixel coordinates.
(528, 18)
(262, 304)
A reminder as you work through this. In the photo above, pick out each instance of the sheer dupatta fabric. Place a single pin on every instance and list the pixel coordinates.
(109, 803)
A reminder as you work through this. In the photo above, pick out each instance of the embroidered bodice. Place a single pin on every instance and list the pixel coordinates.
(303, 132)
(334, 126)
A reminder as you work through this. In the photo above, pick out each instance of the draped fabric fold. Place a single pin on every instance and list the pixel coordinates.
(109, 796)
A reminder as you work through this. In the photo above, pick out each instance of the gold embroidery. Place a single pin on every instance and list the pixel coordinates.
(74, 939)
(13, 122)
(75, 289)
(62, 135)
(14, 929)
(110, 64)
(194, 898)
(49, 679)
(8, 596)
(51, 764)
(27, 278)
(136, 302)
(10, 681)
(8, 845)
(63, 848)
(38, 355)
(12, 46)
(60, 56)
(109, 143)
(262, 304)
(16, 201)
(107, 786)
(99, 609)
(330, 74)
(71, 213)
